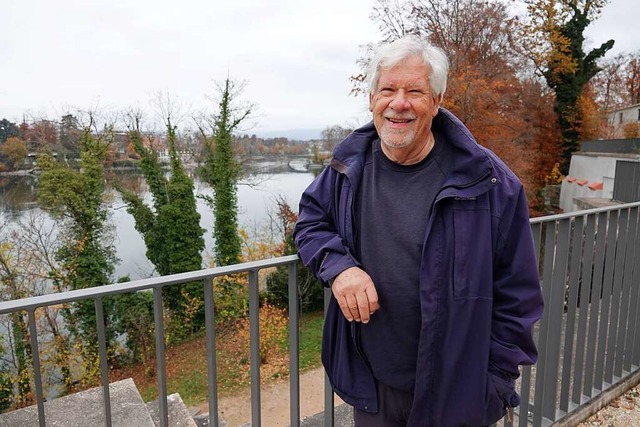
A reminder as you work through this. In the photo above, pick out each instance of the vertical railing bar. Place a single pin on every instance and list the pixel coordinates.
(635, 303)
(540, 390)
(631, 281)
(37, 376)
(536, 231)
(607, 288)
(104, 366)
(254, 345)
(556, 309)
(572, 304)
(623, 322)
(585, 286)
(294, 347)
(212, 366)
(525, 391)
(525, 383)
(160, 356)
(594, 311)
(329, 418)
(613, 352)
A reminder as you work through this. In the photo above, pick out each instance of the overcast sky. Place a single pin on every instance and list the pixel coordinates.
(296, 56)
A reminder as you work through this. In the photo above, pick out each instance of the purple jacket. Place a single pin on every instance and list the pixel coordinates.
(479, 287)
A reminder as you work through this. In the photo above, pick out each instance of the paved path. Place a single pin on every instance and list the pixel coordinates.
(236, 410)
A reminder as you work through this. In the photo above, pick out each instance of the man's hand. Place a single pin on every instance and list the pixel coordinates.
(356, 294)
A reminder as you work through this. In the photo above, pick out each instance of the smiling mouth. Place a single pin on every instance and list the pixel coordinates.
(399, 121)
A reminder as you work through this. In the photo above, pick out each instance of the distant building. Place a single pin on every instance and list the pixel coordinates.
(604, 172)
(624, 118)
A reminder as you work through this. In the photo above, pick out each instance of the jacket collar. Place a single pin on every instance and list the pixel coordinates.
(472, 163)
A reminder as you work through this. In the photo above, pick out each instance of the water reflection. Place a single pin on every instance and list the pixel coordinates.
(17, 193)
(256, 198)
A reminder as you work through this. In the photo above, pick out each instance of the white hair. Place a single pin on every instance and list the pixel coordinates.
(391, 54)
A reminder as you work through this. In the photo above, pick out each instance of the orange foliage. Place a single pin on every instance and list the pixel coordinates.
(512, 118)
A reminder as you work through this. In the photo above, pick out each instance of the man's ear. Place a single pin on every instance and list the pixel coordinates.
(371, 102)
(436, 102)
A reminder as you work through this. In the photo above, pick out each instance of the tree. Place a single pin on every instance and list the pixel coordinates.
(553, 37)
(21, 349)
(40, 136)
(310, 291)
(608, 83)
(69, 133)
(13, 152)
(26, 268)
(7, 130)
(222, 171)
(488, 86)
(86, 254)
(171, 229)
(332, 135)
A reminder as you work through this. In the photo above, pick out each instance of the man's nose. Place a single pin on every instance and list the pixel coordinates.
(400, 101)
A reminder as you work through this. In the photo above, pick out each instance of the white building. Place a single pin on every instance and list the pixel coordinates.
(622, 117)
(591, 181)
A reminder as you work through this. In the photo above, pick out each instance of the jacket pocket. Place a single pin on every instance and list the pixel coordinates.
(473, 250)
(501, 397)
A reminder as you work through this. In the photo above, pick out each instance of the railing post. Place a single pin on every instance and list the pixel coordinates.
(328, 391)
(212, 367)
(294, 347)
(37, 376)
(104, 368)
(254, 345)
(160, 357)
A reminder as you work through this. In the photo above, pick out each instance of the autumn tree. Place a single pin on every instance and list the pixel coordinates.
(13, 152)
(40, 136)
(608, 84)
(618, 84)
(632, 78)
(553, 38)
(488, 86)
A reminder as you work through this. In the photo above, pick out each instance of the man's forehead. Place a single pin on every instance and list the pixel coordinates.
(403, 78)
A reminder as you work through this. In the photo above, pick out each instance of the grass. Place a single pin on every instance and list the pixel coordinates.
(187, 365)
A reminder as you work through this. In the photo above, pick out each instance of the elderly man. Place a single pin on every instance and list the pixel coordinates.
(423, 236)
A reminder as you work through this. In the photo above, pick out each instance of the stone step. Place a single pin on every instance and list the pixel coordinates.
(179, 415)
(85, 409)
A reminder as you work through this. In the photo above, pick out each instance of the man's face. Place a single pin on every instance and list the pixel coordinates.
(403, 105)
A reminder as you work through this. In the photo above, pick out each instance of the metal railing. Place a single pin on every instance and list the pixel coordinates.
(588, 338)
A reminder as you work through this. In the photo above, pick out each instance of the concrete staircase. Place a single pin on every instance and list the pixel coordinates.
(84, 409)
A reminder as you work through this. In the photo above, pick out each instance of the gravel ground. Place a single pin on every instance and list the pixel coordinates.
(622, 412)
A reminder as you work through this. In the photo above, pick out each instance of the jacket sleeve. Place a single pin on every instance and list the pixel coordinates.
(320, 245)
(517, 295)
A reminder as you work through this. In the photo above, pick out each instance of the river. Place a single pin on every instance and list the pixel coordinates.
(257, 202)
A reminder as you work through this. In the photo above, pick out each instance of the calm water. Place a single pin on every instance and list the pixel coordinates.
(18, 196)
